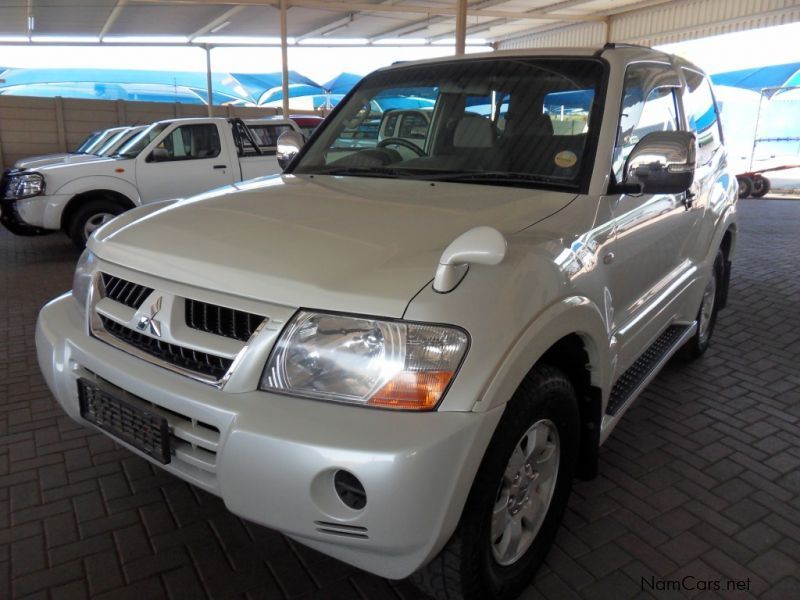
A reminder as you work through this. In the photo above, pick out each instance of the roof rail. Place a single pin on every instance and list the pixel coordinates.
(612, 45)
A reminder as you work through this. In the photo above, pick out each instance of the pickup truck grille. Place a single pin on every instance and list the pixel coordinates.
(186, 358)
(219, 320)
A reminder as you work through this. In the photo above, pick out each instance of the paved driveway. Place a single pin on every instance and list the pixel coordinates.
(700, 483)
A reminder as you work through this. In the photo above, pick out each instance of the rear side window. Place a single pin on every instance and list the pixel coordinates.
(648, 105)
(191, 142)
(701, 113)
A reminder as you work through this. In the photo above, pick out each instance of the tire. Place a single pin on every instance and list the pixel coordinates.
(472, 565)
(745, 186)
(761, 186)
(707, 313)
(89, 217)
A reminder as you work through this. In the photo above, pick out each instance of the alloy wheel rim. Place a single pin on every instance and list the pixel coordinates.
(707, 308)
(525, 492)
(94, 222)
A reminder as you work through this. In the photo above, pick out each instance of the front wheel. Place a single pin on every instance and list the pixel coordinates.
(518, 497)
(90, 217)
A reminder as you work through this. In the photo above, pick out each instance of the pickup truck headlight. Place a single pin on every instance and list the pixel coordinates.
(361, 360)
(23, 185)
(82, 280)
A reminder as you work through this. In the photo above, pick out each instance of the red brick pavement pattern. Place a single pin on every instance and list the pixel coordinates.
(701, 478)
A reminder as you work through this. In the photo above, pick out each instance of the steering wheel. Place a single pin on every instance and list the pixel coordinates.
(396, 141)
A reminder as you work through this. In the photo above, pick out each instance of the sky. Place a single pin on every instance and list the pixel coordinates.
(728, 52)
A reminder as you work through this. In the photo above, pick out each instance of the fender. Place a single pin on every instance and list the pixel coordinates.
(56, 203)
(571, 315)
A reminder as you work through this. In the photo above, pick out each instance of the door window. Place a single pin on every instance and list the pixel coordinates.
(648, 105)
(191, 142)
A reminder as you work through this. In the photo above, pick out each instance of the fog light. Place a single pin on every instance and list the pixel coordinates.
(350, 490)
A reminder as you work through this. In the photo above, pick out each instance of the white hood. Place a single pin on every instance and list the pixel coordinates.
(53, 159)
(335, 243)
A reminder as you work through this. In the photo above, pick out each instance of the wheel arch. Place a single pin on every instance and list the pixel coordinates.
(571, 336)
(75, 202)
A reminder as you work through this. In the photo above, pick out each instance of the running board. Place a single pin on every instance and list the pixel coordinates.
(641, 373)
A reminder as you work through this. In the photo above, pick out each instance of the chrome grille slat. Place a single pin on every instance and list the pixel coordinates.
(125, 292)
(200, 362)
(220, 320)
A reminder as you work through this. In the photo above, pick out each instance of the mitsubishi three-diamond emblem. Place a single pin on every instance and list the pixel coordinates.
(149, 322)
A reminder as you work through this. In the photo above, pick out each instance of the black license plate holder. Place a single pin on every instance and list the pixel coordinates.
(125, 418)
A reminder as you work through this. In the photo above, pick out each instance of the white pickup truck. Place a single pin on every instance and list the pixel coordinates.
(170, 159)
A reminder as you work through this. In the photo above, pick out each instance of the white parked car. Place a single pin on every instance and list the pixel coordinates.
(169, 159)
(404, 362)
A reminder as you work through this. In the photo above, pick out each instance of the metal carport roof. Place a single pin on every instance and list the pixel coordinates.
(501, 23)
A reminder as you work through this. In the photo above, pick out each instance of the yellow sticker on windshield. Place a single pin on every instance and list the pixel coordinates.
(566, 159)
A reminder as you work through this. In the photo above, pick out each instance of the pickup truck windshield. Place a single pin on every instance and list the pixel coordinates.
(141, 141)
(515, 121)
(88, 143)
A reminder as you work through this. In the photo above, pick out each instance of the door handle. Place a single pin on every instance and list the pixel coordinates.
(220, 166)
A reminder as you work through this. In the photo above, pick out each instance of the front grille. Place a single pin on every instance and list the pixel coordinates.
(219, 320)
(186, 358)
(125, 292)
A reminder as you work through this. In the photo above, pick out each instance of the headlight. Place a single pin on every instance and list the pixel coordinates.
(360, 360)
(24, 185)
(82, 280)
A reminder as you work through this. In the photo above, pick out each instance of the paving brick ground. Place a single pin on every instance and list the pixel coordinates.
(700, 480)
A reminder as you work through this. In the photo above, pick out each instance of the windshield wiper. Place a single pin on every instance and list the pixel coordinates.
(492, 177)
(357, 172)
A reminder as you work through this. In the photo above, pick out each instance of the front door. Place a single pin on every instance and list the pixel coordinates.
(650, 259)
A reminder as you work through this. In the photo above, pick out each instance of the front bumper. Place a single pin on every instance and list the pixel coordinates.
(274, 457)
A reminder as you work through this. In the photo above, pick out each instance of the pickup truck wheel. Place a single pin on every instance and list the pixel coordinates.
(518, 497)
(90, 217)
(707, 314)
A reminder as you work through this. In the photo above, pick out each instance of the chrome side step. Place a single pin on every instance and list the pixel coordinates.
(633, 381)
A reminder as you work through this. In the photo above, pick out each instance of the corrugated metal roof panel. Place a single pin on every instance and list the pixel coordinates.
(667, 23)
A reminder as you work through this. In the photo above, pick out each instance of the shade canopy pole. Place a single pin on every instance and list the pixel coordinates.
(209, 90)
(461, 27)
(284, 61)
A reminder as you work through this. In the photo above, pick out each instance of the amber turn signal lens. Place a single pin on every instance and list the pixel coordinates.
(413, 390)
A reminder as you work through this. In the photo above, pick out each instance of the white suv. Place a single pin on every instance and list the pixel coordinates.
(403, 358)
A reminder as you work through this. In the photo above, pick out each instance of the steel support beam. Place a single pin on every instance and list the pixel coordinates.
(217, 22)
(112, 18)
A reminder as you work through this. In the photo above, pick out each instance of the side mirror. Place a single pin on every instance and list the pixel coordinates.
(661, 162)
(289, 144)
(158, 155)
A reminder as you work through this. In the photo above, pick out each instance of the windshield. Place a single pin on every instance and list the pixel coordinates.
(515, 121)
(88, 142)
(113, 142)
(141, 141)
